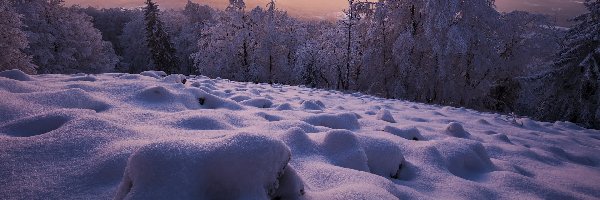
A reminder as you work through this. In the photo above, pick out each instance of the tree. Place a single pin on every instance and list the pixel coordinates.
(572, 88)
(277, 36)
(378, 53)
(228, 47)
(159, 42)
(236, 5)
(186, 28)
(62, 40)
(320, 57)
(343, 79)
(13, 41)
(136, 52)
(111, 22)
(527, 44)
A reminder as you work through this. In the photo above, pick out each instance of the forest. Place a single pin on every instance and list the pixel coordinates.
(447, 52)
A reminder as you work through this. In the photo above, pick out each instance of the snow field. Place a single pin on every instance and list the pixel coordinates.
(147, 136)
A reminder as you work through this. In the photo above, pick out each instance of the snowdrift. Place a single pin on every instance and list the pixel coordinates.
(152, 136)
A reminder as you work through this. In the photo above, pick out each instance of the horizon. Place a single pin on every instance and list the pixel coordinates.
(559, 10)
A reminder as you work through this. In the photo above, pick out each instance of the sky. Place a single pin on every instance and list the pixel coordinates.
(560, 10)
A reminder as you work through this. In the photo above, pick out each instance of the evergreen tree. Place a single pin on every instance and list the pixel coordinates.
(159, 42)
(573, 92)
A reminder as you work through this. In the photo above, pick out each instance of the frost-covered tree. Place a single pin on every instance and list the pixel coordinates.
(308, 60)
(344, 73)
(110, 22)
(277, 37)
(293, 33)
(136, 53)
(527, 44)
(270, 41)
(236, 5)
(62, 40)
(159, 41)
(378, 54)
(320, 57)
(462, 45)
(186, 28)
(13, 41)
(227, 47)
(571, 91)
(527, 41)
(443, 51)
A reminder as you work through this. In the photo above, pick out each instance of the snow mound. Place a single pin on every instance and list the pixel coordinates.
(285, 125)
(313, 105)
(174, 78)
(242, 166)
(15, 74)
(240, 98)
(269, 117)
(384, 157)
(87, 78)
(456, 130)
(465, 158)
(209, 101)
(154, 74)
(346, 121)
(203, 123)
(290, 185)
(343, 149)
(258, 102)
(502, 138)
(385, 115)
(156, 94)
(284, 106)
(483, 122)
(299, 142)
(134, 77)
(409, 133)
(205, 84)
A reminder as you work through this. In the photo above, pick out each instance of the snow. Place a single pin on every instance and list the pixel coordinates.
(123, 136)
(258, 102)
(385, 115)
(235, 167)
(154, 74)
(312, 105)
(456, 130)
(15, 75)
(409, 133)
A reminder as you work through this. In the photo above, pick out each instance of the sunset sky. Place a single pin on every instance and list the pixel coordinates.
(558, 9)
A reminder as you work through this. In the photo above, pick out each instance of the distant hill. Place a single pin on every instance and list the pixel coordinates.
(559, 10)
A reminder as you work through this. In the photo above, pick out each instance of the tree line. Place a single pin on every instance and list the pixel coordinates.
(449, 52)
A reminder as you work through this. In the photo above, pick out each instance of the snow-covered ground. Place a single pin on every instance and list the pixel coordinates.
(147, 137)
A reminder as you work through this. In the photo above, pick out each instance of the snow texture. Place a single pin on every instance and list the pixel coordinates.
(123, 136)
